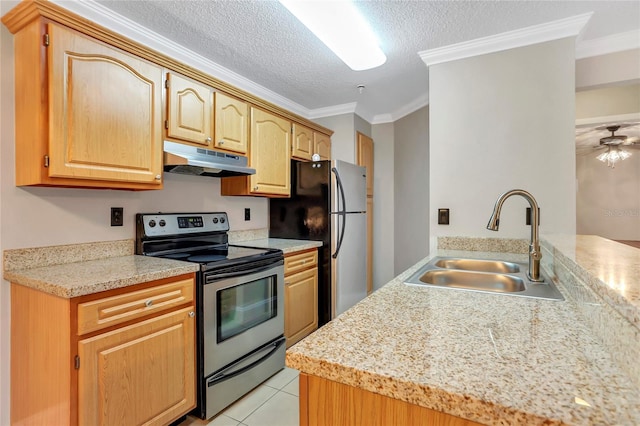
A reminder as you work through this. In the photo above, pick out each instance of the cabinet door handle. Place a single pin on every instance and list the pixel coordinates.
(255, 188)
(148, 303)
(158, 177)
(221, 143)
(192, 314)
(208, 139)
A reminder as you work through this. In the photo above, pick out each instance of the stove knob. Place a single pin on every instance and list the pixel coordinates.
(162, 222)
(215, 220)
(222, 220)
(152, 223)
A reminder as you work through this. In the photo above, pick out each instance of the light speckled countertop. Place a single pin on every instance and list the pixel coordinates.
(490, 358)
(287, 246)
(80, 269)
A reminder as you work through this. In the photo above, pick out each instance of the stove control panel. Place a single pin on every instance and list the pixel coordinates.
(160, 224)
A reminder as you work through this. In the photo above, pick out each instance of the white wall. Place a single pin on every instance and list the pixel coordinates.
(608, 200)
(618, 67)
(607, 101)
(383, 204)
(411, 189)
(498, 122)
(32, 217)
(342, 140)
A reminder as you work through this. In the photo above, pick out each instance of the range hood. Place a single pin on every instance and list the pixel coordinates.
(191, 160)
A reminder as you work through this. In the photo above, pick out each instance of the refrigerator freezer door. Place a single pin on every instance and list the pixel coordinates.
(351, 265)
(354, 184)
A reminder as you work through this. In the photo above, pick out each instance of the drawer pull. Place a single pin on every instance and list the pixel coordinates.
(192, 314)
(148, 303)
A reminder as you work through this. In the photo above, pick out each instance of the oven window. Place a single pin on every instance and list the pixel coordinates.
(245, 306)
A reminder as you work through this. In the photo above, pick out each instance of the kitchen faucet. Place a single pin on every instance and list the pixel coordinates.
(534, 248)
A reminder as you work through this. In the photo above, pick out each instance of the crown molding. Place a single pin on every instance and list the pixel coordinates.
(99, 14)
(568, 27)
(614, 43)
(416, 104)
(333, 110)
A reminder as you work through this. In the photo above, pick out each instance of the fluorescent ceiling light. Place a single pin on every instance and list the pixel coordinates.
(339, 25)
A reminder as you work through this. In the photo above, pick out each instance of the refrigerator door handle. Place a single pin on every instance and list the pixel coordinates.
(339, 213)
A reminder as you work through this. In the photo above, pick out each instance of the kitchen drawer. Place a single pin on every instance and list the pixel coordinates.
(101, 313)
(300, 262)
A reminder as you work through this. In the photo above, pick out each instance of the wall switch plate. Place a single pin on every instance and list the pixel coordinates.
(117, 216)
(528, 216)
(443, 216)
(247, 214)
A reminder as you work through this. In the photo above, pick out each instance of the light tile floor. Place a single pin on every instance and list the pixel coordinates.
(273, 403)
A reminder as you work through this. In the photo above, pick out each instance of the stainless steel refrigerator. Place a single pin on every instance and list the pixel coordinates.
(328, 203)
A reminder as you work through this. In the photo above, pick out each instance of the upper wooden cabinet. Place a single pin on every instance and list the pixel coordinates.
(87, 114)
(231, 117)
(302, 144)
(189, 111)
(269, 154)
(307, 142)
(322, 145)
(364, 154)
(198, 115)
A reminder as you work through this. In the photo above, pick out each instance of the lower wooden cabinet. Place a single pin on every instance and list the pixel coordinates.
(327, 403)
(300, 295)
(138, 370)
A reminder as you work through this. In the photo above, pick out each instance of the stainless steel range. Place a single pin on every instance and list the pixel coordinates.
(239, 302)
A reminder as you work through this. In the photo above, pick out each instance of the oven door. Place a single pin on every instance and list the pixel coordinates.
(242, 311)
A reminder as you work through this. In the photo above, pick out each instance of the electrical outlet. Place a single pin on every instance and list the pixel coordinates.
(117, 216)
(247, 214)
(443, 216)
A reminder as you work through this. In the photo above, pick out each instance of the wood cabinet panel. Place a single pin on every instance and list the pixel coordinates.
(322, 145)
(369, 245)
(364, 155)
(300, 305)
(302, 145)
(300, 261)
(327, 403)
(105, 112)
(98, 314)
(189, 111)
(140, 374)
(141, 371)
(231, 123)
(270, 148)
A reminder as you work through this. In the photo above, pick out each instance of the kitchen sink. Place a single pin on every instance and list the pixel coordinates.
(478, 265)
(481, 275)
(473, 280)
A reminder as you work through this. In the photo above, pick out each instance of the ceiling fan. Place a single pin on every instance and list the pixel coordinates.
(616, 146)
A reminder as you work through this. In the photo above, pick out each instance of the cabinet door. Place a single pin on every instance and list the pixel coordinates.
(300, 305)
(302, 145)
(139, 374)
(231, 123)
(369, 245)
(189, 111)
(270, 148)
(105, 111)
(322, 145)
(364, 153)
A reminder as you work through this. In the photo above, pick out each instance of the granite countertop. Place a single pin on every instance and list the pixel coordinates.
(286, 245)
(490, 358)
(80, 269)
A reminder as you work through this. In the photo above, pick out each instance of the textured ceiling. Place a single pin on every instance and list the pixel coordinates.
(262, 42)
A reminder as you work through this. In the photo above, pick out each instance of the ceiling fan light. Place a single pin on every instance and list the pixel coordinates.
(341, 27)
(624, 154)
(603, 157)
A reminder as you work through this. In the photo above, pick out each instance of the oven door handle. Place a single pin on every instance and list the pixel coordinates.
(247, 363)
(220, 276)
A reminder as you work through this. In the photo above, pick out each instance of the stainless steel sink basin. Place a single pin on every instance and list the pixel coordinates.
(488, 276)
(478, 265)
(473, 280)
